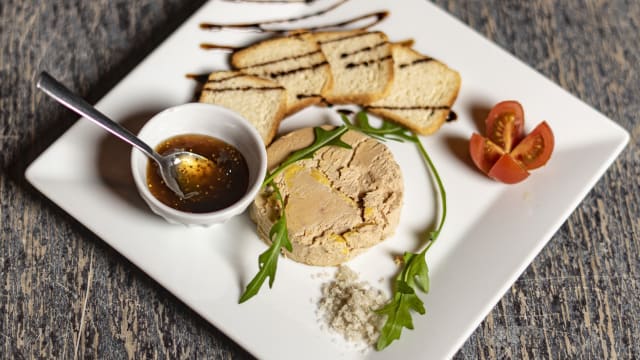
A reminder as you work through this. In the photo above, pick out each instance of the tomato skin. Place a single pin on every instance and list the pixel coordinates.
(505, 124)
(503, 154)
(508, 170)
(535, 149)
(484, 153)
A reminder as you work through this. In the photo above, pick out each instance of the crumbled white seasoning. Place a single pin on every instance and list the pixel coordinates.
(347, 307)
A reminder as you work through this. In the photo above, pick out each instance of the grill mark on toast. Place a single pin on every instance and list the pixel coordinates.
(308, 96)
(204, 78)
(430, 109)
(415, 62)
(277, 74)
(293, 57)
(368, 62)
(225, 78)
(244, 88)
(364, 49)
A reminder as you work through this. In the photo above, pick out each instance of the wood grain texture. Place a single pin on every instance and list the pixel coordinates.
(65, 294)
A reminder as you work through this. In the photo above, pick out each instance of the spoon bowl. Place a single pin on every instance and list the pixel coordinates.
(171, 166)
(188, 170)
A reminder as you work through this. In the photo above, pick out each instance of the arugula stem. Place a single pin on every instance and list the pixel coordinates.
(443, 194)
(279, 234)
(414, 274)
(268, 260)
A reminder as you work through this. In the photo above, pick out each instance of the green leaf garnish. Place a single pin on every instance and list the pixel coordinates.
(279, 235)
(268, 260)
(322, 138)
(417, 271)
(398, 313)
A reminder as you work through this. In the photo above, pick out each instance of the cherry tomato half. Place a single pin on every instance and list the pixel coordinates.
(484, 152)
(504, 124)
(508, 170)
(536, 148)
(503, 154)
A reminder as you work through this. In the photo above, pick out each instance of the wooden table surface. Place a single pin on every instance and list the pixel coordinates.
(65, 294)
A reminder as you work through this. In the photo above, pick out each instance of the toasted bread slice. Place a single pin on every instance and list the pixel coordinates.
(422, 93)
(294, 61)
(361, 65)
(261, 101)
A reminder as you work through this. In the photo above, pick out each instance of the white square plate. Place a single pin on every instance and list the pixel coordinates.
(492, 233)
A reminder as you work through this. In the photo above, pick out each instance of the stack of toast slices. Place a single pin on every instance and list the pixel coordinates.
(277, 77)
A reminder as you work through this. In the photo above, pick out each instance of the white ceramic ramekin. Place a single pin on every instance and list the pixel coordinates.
(204, 119)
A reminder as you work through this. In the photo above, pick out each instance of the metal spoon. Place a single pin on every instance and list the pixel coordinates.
(175, 177)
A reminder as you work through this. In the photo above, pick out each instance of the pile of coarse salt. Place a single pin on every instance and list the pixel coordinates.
(347, 307)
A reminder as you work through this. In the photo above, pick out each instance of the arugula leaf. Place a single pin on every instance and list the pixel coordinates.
(417, 270)
(279, 235)
(405, 299)
(322, 138)
(398, 312)
(268, 260)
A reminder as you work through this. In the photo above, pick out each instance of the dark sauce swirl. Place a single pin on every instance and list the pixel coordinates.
(264, 26)
(260, 26)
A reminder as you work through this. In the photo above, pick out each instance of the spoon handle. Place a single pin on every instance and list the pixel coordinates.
(74, 102)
